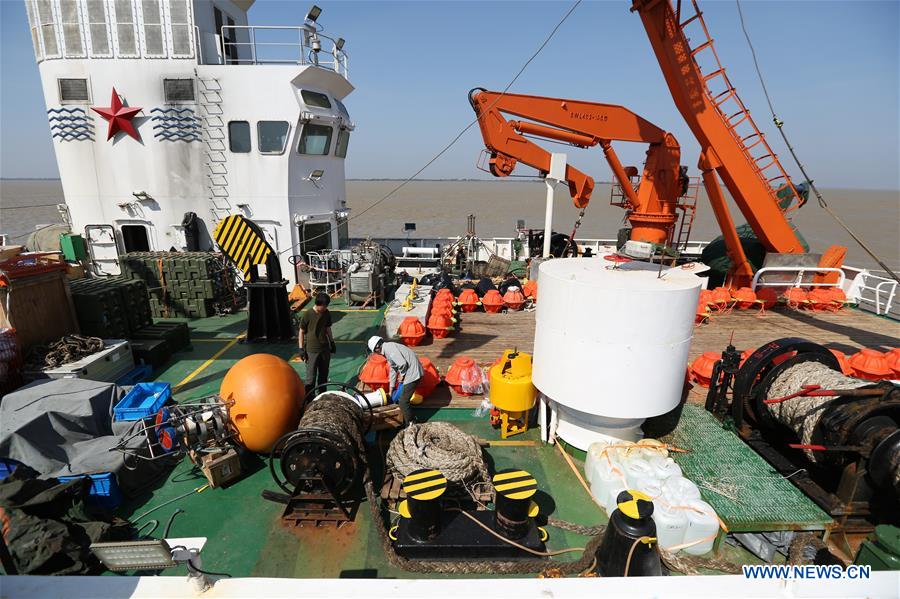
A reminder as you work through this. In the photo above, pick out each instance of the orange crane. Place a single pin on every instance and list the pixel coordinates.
(733, 148)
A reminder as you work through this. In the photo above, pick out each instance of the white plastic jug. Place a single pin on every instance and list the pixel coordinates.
(636, 469)
(663, 467)
(702, 524)
(678, 490)
(671, 524)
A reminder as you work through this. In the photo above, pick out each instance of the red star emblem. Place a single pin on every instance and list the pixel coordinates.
(119, 117)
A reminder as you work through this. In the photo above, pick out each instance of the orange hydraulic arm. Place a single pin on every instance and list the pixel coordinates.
(732, 146)
(585, 124)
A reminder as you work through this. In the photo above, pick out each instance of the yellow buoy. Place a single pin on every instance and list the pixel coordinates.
(512, 393)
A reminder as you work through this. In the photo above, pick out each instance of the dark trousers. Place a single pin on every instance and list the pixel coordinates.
(317, 364)
(405, 394)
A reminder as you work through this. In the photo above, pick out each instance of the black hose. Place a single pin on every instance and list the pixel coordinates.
(169, 523)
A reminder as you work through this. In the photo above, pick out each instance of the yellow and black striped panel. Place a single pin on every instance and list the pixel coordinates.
(242, 242)
(517, 484)
(424, 485)
(634, 504)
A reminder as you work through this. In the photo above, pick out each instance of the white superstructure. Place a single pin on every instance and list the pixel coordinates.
(233, 119)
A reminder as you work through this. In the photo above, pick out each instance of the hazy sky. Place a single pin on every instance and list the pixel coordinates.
(832, 69)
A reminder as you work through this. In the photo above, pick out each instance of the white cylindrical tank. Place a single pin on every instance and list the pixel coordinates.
(611, 344)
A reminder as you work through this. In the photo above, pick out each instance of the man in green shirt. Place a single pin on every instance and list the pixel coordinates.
(316, 341)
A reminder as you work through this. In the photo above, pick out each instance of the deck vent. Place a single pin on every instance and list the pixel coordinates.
(178, 90)
(73, 90)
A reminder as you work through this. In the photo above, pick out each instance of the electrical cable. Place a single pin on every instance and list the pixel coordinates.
(207, 573)
(155, 524)
(513, 543)
(458, 135)
(169, 523)
(199, 489)
(779, 124)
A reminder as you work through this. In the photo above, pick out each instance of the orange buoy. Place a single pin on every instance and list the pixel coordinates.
(893, 360)
(431, 378)
(870, 364)
(376, 373)
(439, 325)
(705, 297)
(820, 299)
(846, 368)
(797, 298)
(703, 313)
(702, 367)
(720, 297)
(744, 297)
(838, 297)
(492, 302)
(767, 296)
(468, 300)
(266, 397)
(514, 298)
(443, 302)
(530, 289)
(411, 331)
(464, 376)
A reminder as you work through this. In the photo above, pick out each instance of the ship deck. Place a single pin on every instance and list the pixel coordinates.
(246, 536)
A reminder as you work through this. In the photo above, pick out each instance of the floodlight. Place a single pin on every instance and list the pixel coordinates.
(134, 555)
(339, 44)
(316, 174)
(342, 213)
(407, 227)
(313, 13)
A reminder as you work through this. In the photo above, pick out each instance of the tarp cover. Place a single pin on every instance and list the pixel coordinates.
(64, 427)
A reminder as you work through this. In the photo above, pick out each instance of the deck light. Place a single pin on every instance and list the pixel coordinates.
(342, 213)
(339, 44)
(313, 13)
(134, 555)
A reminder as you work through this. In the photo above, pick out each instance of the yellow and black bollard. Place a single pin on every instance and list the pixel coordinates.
(422, 505)
(514, 508)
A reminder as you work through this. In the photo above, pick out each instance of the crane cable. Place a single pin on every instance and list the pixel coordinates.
(779, 124)
(458, 135)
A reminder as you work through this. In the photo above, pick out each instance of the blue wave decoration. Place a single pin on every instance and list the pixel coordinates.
(70, 124)
(176, 124)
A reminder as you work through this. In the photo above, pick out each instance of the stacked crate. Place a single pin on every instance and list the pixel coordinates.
(111, 307)
(182, 284)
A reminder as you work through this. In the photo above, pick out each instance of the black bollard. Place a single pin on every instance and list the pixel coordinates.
(512, 502)
(423, 490)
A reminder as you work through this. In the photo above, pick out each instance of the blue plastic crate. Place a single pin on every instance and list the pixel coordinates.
(133, 377)
(105, 491)
(7, 467)
(144, 399)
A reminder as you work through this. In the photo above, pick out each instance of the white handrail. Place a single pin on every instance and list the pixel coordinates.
(890, 297)
(798, 280)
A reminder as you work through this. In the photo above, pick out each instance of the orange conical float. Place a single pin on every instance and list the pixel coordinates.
(702, 367)
(444, 302)
(703, 313)
(265, 397)
(745, 298)
(820, 299)
(767, 296)
(846, 368)
(796, 297)
(530, 289)
(514, 298)
(468, 300)
(439, 325)
(838, 297)
(376, 373)
(464, 376)
(720, 297)
(431, 378)
(492, 301)
(411, 331)
(893, 361)
(871, 365)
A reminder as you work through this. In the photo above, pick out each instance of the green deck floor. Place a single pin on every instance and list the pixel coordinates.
(246, 536)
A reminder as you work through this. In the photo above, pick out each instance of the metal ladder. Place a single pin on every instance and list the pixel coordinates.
(723, 95)
(215, 138)
(687, 204)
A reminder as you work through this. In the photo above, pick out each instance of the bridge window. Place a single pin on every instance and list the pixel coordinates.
(272, 136)
(98, 27)
(70, 23)
(180, 19)
(126, 32)
(153, 29)
(315, 139)
(311, 98)
(343, 141)
(73, 91)
(48, 29)
(239, 137)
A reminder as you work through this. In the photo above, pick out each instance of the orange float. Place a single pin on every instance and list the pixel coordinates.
(745, 298)
(411, 331)
(871, 365)
(265, 397)
(492, 301)
(796, 297)
(442, 303)
(703, 313)
(376, 373)
(530, 289)
(702, 367)
(893, 360)
(838, 297)
(468, 300)
(439, 325)
(430, 379)
(820, 299)
(720, 297)
(846, 368)
(463, 375)
(514, 298)
(767, 296)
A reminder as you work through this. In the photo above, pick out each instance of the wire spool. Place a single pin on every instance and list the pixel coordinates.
(325, 450)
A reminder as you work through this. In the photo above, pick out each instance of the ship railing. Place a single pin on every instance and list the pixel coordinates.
(274, 44)
(795, 276)
(873, 293)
